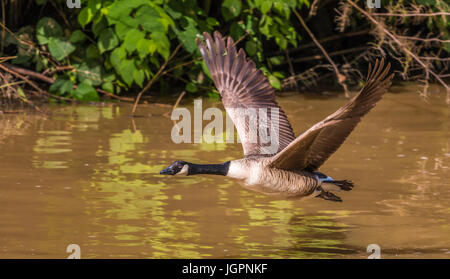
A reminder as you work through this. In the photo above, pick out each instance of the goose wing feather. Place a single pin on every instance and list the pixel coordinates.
(312, 148)
(243, 87)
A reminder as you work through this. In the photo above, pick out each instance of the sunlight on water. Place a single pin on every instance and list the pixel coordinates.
(90, 175)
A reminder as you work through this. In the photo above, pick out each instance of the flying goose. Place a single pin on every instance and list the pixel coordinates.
(291, 171)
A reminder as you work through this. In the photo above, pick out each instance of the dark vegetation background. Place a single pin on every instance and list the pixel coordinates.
(125, 49)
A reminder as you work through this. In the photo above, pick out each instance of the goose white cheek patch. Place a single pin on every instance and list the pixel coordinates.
(183, 171)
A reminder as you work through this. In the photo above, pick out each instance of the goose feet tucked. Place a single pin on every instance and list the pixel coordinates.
(329, 196)
(345, 185)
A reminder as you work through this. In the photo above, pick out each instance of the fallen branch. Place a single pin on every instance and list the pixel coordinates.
(175, 105)
(50, 80)
(18, 74)
(404, 48)
(424, 40)
(155, 77)
(29, 73)
(27, 81)
(413, 14)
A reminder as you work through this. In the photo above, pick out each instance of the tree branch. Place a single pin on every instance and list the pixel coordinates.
(404, 48)
(340, 77)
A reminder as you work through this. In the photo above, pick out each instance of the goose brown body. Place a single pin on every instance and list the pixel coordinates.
(257, 175)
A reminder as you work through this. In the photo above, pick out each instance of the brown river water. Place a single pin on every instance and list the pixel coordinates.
(89, 175)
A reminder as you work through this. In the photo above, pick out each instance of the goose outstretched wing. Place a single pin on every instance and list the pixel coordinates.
(312, 148)
(247, 96)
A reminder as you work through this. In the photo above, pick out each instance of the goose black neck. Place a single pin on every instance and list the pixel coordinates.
(218, 169)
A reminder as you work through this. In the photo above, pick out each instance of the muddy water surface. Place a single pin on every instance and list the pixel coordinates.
(89, 175)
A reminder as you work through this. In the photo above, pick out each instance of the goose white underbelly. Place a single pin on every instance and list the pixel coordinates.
(256, 176)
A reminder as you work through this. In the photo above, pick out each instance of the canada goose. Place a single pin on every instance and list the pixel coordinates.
(291, 171)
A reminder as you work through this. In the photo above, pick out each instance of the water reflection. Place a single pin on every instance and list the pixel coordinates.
(90, 175)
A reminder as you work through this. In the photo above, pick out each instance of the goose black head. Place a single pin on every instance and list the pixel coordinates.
(177, 167)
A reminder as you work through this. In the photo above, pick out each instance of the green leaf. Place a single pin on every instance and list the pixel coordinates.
(92, 52)
(117, 55)
(266, 6)
(281, 41)
(188, 35)
(46, 28)
(121, 30)
(61, 86)
(276, 60)
(139, 76)
(251, 48)
(85, 92)
(98, 27)
(108, 86)
(21, 93)
(93, 73)
(275, 82)
(150, 19)
(191, 87)
(127, 69)
(107, 40)
(60, 48)
(231, 9)
(145, 47)
(66, 87)
(85, 16)
(77, 37)
(131, 39)
(162, 44)
(236, 31)
(212, 22)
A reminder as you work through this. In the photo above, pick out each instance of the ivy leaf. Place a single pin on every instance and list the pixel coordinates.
(108, 86)
(188, 35)
(126, 70)
(98, 27)
(145, 47)
(162, 44)
(93, 73)
(251, 48)
(107, 40)
(61, 86)
(275, 82)
(266, 6)
(117, 55)
(85, 92)
(191, 87)
(92, 52)
(276, 60)
(149, 19)
(139, 76)
(231, 9)
(77, 37)
(131, 40)
(60, 48)
(85, 16)
(47, 28)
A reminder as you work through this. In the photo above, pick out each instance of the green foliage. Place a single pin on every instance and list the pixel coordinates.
(120, 45)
